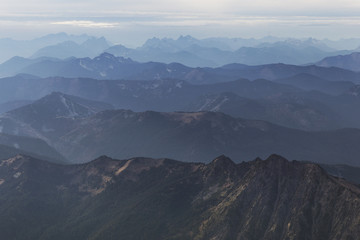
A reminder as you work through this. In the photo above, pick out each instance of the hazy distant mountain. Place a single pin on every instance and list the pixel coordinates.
(277, 53)
(183, 136)
(61, 105)
(90, 48)
(105, 66)
(25, 48)
(271, 199)
(217, 52)
(310, 82)
(209, 52)
(109, 67)
(316, 109)
(160, 95)
(196, 136)
(50, 117)
(278, 71)
(224, 43)
(350, 173)
(351, 61)
(185, 57)
(286, 111)
(11, 145)
(16, 65)
(310, 43)
(11, 105)
(343, 43)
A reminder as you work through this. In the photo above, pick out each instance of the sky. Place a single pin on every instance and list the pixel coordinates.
(131, 22)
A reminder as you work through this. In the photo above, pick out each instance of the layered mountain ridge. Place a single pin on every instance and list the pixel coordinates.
(109, 67)
(78, 97)
(271, 199)
(187, 136)
(297, 108)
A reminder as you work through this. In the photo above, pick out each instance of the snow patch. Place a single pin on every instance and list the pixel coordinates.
(83, 65)
(209, 104)
(217, 107)
(179, 84)
(18, 174)
(70, 110)
(16, 145)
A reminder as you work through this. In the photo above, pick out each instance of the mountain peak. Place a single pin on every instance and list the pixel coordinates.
(110, 57)
(58, 104)
(222, 166)
(276, 157)
(223, 160)
(276, 161)
(280, 205)
(186, 38)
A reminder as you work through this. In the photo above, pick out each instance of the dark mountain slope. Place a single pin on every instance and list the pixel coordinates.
(177, 95)
(11, 145)
(49, 117)
(200, 136)
(165, 199)
(278, 71)
(81, 135)
(11, 105)
(159, 95)
(309, 82)
(289, 111)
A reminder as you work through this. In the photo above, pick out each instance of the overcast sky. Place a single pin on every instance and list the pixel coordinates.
(132, 21)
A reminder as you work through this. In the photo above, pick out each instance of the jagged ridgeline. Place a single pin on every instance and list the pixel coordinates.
(144, 198)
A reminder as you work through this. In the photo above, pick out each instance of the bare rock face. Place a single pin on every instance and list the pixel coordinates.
(144, 198)
(277, 199)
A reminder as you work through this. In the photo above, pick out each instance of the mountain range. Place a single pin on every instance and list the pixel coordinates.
(81, 133)
(110, 199)
(187, 50)
(205, 53)
(89, 48)
(25, 48)
(11, 145)
(281, 103)
(217, 105)
(108, 67)
(288, 111)
(350, 61)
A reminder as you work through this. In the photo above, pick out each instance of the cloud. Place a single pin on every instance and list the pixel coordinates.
(243, 7)
(87, 24)
(175, 17)
(148, 19)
